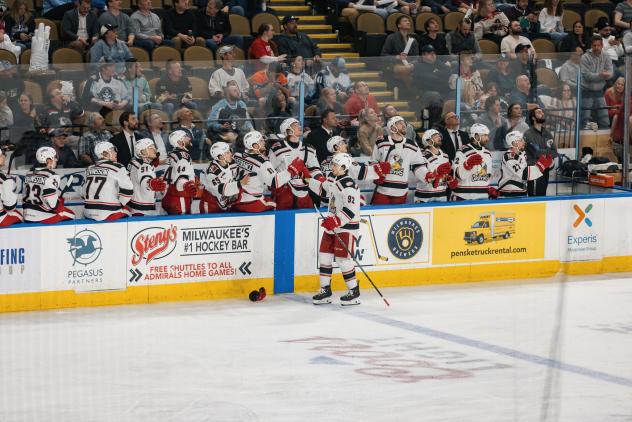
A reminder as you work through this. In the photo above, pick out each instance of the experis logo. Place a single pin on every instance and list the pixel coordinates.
(153, 243)
(582, 215)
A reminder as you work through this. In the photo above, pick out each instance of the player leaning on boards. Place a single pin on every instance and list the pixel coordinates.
(341, 228)
(8, 199)
(514, 171)
(222, 186)
(107, 187)
(42, 201)
(473, 167)
(436, 174)
(179, 176)
(143, 175)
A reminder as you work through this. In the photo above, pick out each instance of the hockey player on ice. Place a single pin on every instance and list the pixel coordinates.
(180, 176)
(107, 187)
(514, 171)
(282, 153)
(8, 199)
(341, 228)
(144, 179)
(222, 186)
(435, 176)
(403, 155)
(473, 167)
(254, 163)
(42, 201)
(358, 171)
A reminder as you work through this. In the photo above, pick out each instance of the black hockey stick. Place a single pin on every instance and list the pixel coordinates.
(354, 259)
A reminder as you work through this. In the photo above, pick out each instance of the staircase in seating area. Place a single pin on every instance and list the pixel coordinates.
(316, 27)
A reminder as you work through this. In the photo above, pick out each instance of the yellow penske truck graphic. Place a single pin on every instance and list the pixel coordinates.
(491, 226)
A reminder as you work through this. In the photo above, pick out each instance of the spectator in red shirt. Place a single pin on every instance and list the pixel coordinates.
(360, 99)
(261, 49)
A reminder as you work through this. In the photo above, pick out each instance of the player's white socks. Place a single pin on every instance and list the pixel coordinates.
(347, 267)
(326, 260)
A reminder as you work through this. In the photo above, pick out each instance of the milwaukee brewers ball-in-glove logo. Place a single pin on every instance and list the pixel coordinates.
(405, 238)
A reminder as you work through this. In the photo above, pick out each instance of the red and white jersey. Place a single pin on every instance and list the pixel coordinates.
(473, 183)
(143, 199)
(179, 172)
(107, 188)
(427, 191)
(359, 171)
(41, 194)
(403, 156)
(262, 175)
(222, 183)
(282, 154)
(515, 173)
(344, 200)
(8, 198)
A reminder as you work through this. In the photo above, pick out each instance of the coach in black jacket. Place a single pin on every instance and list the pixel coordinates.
(318, 137)
(124, 140)
(70, 26)
(453, 138)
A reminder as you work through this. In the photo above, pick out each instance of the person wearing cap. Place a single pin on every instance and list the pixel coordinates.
(550, 19)
(114, 17)
(110, 47)
(523, 63)
(11, 83)
(147, 27)
(173, 89)
(228, 72)
(432, 76)
(97, 133)
(229, 117)
(611, 45)
(294, 43)
(261, 48)
(179, 24)
(336, 77)
(80, 27)
(66, 157)
(623, 21)
(105, 92)
(510, 42)
(213, 27)
(462, 38)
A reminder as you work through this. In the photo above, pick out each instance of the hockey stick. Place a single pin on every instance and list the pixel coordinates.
(354, 259)
(369, 223)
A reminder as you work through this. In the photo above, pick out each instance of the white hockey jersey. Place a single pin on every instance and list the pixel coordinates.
(473, 183)
(107, 188)
(282, 154)
(8, 198)
(143, 199)
(431, 191)
(403, 157)
(179, 172)
(515, 173)
(222, 183)
(262, 176)
(344, 200)
(41, 194)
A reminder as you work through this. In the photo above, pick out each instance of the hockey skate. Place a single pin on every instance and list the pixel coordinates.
(351, 298)
(323, 296)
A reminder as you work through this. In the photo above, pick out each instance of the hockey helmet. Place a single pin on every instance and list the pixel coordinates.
(478, 129)
(251, 138)
(392, 121)
(513, 136)
(343, 160)
(178, 136)
(103, 147)
(219, 148)
(141, 145)
(44, 153)
(333, 141)
(428, 135)
(287, 125)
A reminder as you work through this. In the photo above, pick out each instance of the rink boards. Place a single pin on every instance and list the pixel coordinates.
(196, 257)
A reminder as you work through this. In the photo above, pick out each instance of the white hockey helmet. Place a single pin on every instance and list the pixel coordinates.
(44, 153)
(428, 136)
(333, 141)
(342, 159)
(478, 129)
(219, 148)
(251, 138)
(286, 125)
(178, 136)
(141, 145)
(392, 121)
(513, 136)
(102, 147)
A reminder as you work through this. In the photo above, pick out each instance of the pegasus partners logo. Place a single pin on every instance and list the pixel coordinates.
(582, 215)
(85, 247)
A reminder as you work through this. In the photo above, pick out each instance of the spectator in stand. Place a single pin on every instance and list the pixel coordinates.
(370, 130)
(432, 74)
(471, 82)
(178, 24)
(147, 27)
(199, 142)
(453, 137)
(551, 20)
(221, 76)
(433, 37)
(20, 24)
(318, 137)
(104, 92)
(155, 131)
(11, 83)
(523, 63)
(490, 23)
(7, 44)
(360, 99)
(295, 76)
(351, 11)
(110, 47)
(97, 133)
(80, 27)
(570, 69)
(229, 117)
(335, 76)
(615, 97)
(539, 141)
(60, 110)
(526, 17)
(412, 7)
(577, 38)
(174, 90)
(278, 109)
(213, 27)
(293, 43)
(6, 119)
(24, 117)
(623, 21)
(462, 38)
(596, 69)
(515, 119)
(66, 157)
(389, 111)
(138, 86)
(125, 140)
(522, 94)
(566, 103)
(611, 45)
(510, 42)
(502, 76)
(114, 17)
(261, 48)
(395, 45)
(265, 81)
(55, 9)
(494, 122)
(328, 101)
(490, 90)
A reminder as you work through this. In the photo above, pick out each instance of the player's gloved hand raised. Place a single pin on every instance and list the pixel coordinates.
(330, 223)
(319, 177)
(430, 176)
(444, 169)
(492, 192)
(473, 160)
(296, 167)
(190, 188)
(382, 168)
(157, 184)
(60, 204)
(452, 183)
(544, 162)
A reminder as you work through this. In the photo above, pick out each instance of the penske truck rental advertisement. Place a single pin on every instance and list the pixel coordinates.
(488, 233)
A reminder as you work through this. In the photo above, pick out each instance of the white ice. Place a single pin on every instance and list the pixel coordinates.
(470, 352)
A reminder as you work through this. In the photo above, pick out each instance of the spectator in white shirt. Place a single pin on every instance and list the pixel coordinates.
(510, 42)
(550, 19)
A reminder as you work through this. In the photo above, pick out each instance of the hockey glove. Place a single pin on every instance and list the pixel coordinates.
(306, 173)
(382, 168)
(60, 205)
(319, 177)
(544, 162)
(492, 192)
(472, 160)
(430, 176)
(452, 183)
(444, 169)
(190, 189)
(330, 223)
(157, 185)
(156, 161)
(296, 167)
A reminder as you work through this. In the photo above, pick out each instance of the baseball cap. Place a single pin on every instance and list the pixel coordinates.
(106, 61)
(60, 131)
(287, 19)
(428, 48)
(521, 47)
(602, 23)
(503, 58)
(5, 65)
(107, 27)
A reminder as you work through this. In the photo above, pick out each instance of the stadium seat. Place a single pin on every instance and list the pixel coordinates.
(161, 54)
(489, 47)
(66, 58)
(240, 25)
(198, 57)
(25, 57)
(547, 77)
(260, 18)
(238, 53)
(35, 90)
(112, 117)
(152, 85)
(8, 56)
(391, 26)
(157, 4)
(370, 23)
(200, 88)
(606, 6)
(451, 20)
(543, 45)
(423, 17)
(140, 54)
(569, 18)
(592, 16)
(54, 29)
